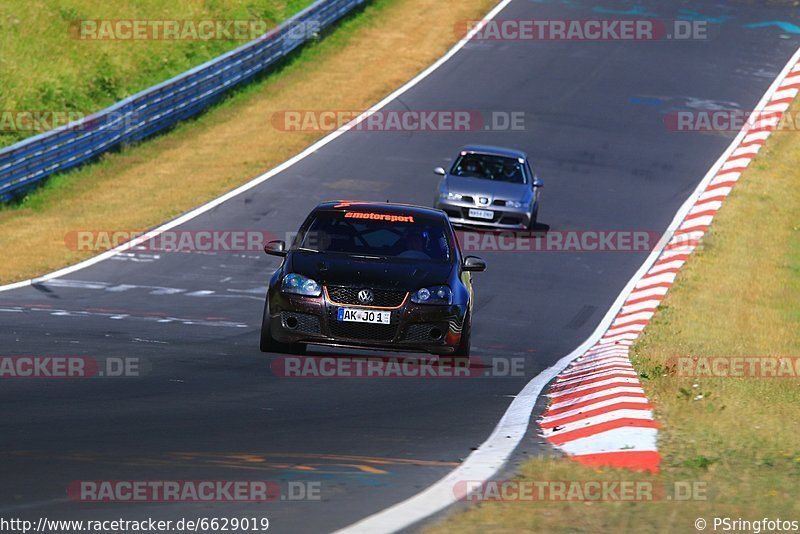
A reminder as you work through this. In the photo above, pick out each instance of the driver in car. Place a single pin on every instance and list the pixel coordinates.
(415, 246)
(510, 172)
(471, 166)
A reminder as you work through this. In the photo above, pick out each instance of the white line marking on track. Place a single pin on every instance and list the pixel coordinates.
(121, 316)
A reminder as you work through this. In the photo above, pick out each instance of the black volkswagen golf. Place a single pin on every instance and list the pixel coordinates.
(371, 275)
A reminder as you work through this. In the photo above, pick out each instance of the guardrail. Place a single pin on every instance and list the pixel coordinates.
(25, 164)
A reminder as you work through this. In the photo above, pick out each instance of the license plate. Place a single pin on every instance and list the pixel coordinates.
(481, 214)
(364, 316)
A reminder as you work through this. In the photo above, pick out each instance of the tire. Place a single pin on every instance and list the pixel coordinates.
(462, 352)
(270, 344)
(534, 217)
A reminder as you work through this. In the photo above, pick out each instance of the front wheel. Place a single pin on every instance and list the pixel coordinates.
(534, 216)
(464, 345)
(270, 344)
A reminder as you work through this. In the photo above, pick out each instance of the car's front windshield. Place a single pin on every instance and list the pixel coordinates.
(495, 168)
(379, 235)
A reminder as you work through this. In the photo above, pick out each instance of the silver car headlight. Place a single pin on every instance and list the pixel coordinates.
(300, 285)
(433, 295)
(513, 204)
(451, 196)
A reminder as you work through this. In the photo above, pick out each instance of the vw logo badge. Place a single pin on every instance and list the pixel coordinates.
(484, 200)
(365, 296)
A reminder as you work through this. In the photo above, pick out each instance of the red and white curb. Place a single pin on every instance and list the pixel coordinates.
(598, 412)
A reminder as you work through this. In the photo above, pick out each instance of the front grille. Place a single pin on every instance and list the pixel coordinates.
(305, 323)
(499, 202)
(363, 331)
(384, 298)
(467, 198)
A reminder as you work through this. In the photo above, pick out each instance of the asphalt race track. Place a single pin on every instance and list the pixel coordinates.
(209, 407)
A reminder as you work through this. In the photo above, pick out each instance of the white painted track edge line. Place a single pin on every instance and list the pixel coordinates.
(492, 455)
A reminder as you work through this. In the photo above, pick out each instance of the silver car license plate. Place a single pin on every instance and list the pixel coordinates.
(481, 214)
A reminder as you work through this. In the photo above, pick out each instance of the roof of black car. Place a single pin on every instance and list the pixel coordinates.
(380, 207)
(495, 151)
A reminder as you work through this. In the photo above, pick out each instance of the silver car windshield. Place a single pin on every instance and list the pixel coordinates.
(495, 168)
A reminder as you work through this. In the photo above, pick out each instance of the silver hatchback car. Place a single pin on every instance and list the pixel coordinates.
(490, 187)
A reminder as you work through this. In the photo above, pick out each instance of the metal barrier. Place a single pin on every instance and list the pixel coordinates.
(30, 161)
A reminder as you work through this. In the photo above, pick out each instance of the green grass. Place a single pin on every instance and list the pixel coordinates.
(44, 68)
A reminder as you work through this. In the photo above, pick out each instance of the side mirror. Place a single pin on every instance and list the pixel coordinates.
(440, 171)
(537, 182)
(275, 248)
(474, 264)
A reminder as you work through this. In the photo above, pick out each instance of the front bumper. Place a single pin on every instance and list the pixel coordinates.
(413, 327)
(503, 217)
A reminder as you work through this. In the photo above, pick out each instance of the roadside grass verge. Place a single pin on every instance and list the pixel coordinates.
(43, 66)
(364, 59)
(738, 296)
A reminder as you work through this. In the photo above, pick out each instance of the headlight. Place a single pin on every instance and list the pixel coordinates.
(300, 285)
(451, 196)
(433, 295)
(512, 204)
